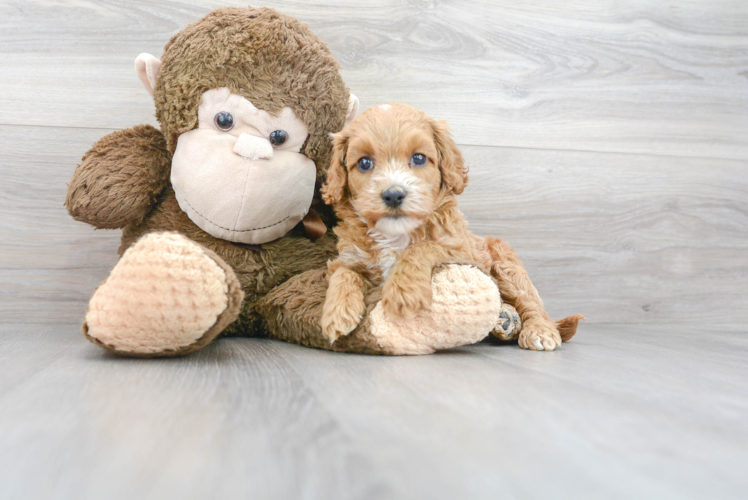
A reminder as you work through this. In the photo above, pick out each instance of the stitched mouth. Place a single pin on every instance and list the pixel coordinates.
(253, 158)
(237, 230)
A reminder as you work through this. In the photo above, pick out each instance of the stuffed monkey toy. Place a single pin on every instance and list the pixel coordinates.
(224, 232)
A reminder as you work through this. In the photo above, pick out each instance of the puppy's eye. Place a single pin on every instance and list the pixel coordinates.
(365, 164)
(418, 160)
(224, 121)
(278, 137)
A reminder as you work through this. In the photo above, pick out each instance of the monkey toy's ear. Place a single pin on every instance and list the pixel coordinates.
(147, 68)
(352, 110)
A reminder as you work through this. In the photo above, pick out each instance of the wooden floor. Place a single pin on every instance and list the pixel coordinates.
(607, 142)
(616, 413)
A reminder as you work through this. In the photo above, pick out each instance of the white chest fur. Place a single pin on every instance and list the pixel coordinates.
(390, 248)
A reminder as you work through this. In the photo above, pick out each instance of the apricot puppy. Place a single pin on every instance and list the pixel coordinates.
(393, 181)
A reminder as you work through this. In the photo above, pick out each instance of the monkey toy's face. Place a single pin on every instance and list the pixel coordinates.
(246, 99)
(239, 175)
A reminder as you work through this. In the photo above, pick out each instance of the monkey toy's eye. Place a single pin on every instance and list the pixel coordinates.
(278, 137)
(418, 160)
(365, 164)
(224, 121)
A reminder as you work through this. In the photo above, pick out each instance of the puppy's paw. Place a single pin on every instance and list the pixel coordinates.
(405, 297)
(338, 320)
(509, 325)
(539, 336)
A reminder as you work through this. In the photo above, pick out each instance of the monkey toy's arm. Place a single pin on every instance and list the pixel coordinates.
(120, 178)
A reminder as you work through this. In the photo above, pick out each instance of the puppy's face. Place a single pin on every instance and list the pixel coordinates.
(390, 164)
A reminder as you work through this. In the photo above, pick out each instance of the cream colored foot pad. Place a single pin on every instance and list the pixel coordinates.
(164, 294)
(464, 309)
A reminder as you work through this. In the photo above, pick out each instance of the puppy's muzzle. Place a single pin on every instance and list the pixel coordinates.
(393, 197)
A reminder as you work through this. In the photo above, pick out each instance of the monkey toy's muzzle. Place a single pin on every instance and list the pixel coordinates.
(250, 199)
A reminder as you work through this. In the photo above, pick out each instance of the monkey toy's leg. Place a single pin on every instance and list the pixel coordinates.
(166, 296)
(465, 306)
(538, 332)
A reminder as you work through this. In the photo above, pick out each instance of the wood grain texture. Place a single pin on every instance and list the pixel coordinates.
(618, 237)
(607, 144)
(616, 413)
(645, 77)
(638, 215)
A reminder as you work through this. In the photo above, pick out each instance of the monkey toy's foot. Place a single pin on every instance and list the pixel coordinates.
(509, 324)
(465, 306)
(166, 296)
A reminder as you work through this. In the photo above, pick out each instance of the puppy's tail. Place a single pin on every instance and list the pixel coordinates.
(567, 327)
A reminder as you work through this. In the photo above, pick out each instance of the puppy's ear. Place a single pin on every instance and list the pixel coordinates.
(451, 163)
(333, 191)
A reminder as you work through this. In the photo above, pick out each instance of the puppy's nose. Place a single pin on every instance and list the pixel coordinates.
(252, 147)
(394, 196)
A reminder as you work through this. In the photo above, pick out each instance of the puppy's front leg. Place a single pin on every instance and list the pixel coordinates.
(408, 288)
(539, 332)
(344, 303)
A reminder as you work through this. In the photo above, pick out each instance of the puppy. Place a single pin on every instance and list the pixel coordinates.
(393, 181)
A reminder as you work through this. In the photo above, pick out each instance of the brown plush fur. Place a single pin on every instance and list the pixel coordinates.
(274, 61)
(258, 270)
(399, 246)
(303, 296)
(120, 178)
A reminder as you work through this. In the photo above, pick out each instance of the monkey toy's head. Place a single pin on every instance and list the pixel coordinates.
(246, 99)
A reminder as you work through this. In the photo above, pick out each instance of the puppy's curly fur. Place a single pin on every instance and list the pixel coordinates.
(393, 181)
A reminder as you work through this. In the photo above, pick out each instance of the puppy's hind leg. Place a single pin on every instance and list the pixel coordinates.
(539, 332)
(344, 304)
(509, 324)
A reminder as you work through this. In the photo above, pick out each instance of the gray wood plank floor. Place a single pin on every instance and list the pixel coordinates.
(617, 413)
(607, 143)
